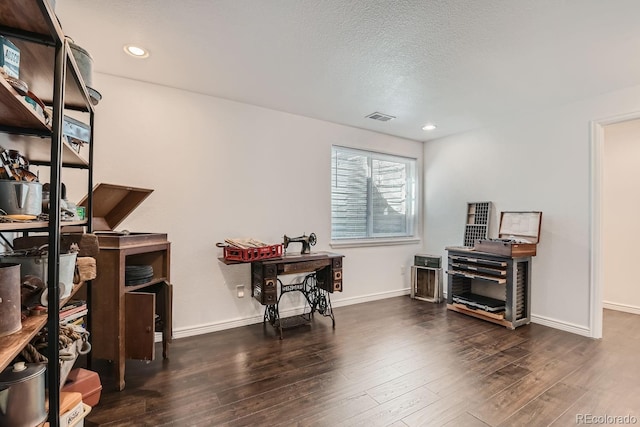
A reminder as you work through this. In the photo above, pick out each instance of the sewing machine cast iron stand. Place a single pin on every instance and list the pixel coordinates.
(324, 277)
(317, 299)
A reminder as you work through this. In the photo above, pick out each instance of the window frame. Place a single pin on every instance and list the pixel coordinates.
(413, 188)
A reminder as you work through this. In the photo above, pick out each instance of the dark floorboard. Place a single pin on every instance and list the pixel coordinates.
(396, 362)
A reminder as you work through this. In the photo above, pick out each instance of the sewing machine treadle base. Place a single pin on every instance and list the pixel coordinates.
(318, 300)
(324, 276)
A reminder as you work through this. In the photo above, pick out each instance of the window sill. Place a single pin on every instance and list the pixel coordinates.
(374, 242)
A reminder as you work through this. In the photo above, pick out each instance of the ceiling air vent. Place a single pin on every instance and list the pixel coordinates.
(380, 117)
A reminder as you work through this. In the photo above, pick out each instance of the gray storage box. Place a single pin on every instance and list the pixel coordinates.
(426, 260)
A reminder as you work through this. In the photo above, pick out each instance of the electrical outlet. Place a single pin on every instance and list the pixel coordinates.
(240, 291)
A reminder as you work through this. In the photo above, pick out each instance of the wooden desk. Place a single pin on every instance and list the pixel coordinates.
(325, 277)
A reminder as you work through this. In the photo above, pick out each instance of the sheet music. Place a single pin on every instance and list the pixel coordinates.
(520, 224)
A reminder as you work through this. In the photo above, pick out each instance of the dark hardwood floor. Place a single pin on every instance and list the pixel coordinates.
(394, 362)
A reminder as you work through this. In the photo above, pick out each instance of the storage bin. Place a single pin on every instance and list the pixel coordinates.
(79, 421)
(252, 254)
(71, 408)
(86, 382)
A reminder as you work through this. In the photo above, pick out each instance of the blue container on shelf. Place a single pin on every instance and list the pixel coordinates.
(10, 58)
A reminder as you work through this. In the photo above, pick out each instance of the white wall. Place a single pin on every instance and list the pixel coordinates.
(539, 162)
(621, 205)
(224, 169)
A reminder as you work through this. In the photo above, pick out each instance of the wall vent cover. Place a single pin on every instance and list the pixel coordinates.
(380, 117)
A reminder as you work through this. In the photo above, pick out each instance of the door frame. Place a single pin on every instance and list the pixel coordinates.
(596, 277)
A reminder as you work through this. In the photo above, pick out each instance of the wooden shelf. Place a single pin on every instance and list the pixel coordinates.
(38, 151)
(18, 115)
(487, 277)
(133, 288)
(484, 315)
(28, 16)
(12, 345)
(35, 225)
(479, 269)
(16, 112)
(37, 59)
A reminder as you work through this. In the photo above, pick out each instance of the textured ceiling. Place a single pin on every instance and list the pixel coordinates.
(461, 64)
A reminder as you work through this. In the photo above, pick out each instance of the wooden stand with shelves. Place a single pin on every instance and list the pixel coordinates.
(124, 316)
(508, 277)
(120, 311)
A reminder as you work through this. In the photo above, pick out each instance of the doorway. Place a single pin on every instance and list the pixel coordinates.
(612, 197)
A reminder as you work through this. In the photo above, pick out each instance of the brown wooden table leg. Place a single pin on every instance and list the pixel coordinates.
(119, 366)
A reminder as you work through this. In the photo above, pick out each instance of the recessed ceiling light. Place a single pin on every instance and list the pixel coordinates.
(429, 127)
(136, 51)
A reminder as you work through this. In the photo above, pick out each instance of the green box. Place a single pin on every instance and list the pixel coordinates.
(80, 211)
(426, 260)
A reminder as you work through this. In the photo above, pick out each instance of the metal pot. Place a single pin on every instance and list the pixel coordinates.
(84, 62)
(10, 300)
(85, 66)
(21, 198)
(22, 400)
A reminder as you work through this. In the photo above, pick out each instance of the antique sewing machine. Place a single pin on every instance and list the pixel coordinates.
(307, 242)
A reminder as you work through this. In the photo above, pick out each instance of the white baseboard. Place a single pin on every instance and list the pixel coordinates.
(621, 307)
(371, 297)
(190, 331)
(558, 324)
(563, 326)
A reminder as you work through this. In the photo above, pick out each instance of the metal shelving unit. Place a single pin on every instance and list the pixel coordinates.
(491, 287)
(48, 67)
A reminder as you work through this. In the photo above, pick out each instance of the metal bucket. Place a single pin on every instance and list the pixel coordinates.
(85, 66)
(21, 198)
(38, 265)
(9, 299)
(22, 395)
(84, 61)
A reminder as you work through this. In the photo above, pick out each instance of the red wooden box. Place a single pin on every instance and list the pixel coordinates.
(86, 382)
(252, 254)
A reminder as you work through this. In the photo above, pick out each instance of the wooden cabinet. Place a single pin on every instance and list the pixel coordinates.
(491, 287)
(126, 317)
(49, 69)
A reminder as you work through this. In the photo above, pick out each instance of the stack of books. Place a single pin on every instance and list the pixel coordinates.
(73, 312)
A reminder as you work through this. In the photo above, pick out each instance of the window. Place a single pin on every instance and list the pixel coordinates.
(372, 195)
